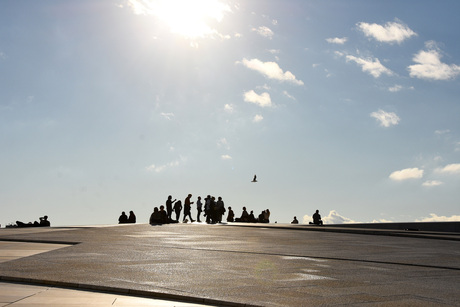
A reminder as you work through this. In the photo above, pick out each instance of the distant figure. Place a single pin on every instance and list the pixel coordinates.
(169, 207)
(244, 216)
(254, 179)
(317, 218)
(163, 215)
(261, 218)
(267, 216)
(231, 215)
(155, 217)
(131, 217)
(220, 209)
(251, 217)
(188, 208)
(295, 221)
(207, 209)
(178, 209)
(123, 219)
(43, 223)
(199, 209)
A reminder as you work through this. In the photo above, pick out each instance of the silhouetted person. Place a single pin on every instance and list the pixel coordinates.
(188, 208)
(44, 221)
(155, 217)
(254, 179)
(178, 209)
(261, 218)
(207, 209)
(244, 216)
(131, 217)
(123, 219)
(220, 209)
(267, 216)
(163, 215)
(295, 221)
(317, 218)
(169, 206)
(231, 215)
(199, 209)
(251, 217)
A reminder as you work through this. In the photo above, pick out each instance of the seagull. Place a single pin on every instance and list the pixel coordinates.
(255, 179)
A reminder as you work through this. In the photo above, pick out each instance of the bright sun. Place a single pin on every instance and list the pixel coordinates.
(189, 18)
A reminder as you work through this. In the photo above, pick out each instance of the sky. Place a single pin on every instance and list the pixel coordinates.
(348, 107)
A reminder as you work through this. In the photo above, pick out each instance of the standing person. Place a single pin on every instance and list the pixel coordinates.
(188, 208)
(267, 216)
(131, 217)
(220, 209)
(231, 215)
(177, 209)
(207, 209)
(199, 206)
(169, 206)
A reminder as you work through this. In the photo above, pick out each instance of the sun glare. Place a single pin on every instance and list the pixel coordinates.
(189, 18)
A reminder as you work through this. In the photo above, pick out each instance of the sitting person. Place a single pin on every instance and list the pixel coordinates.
(44, 221)
(244, 216)
(261, 218)
(155, 217)
(132, 217)
(317, 219)
(295, 221)
(123, 219)
(163, 215)
(231, 215)
(251, 217)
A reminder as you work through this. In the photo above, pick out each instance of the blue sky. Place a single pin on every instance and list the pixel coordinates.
(349, 107)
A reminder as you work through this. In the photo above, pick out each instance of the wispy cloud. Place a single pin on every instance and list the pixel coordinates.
(270, 70)
(222, 142)
(337, 40)
(435, 218)
(408, 173)
(285, 93)
(262, 100)
(391, 32)
(264, 31)
(229, 108)
(432, 183)
(450, 169)
(168, 116)
(386, 119)
(395, 88)
(226, 157)
(441, 132)
(430, 67)
(258, 118)
(163, 167)
(371, 66)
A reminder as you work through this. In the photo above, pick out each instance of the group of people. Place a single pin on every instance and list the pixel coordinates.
(43, 223)
(124, 219)
(213, 211)
(316, 219)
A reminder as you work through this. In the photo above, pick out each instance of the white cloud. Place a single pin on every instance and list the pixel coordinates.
(168, 116)
(430, 67)
(258, 118)
(226, 157)
(386, 119)
(408, 173)
(337, 40)
(450, 169)
(229, 108)
(432, 183)
(262, 100)
(270, 70)
(274, 51)
(391, 32)
(371, 66)
(264, 31)
(395, 88)
(435, 218)
(332, 218)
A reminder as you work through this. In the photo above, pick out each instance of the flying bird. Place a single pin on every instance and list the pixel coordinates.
(255, 179)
